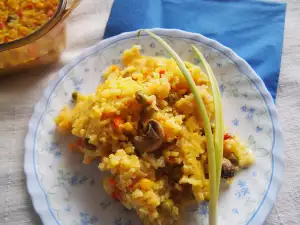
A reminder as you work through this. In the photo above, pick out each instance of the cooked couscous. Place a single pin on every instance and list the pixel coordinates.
(143, 126)
(19, 18)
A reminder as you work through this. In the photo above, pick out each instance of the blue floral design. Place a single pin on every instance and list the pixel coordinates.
(118, 221)
(77, 82)
(196, 61)
(72, 179)
(250, 112)
(152, 45)
(249, 116)
(254, 174)
(78, 180)
(258, 129)
(235, 122)
(86, 219)
(63, 177)
(235, 211)
(222, 88)
(52, 148)
(243, 191)
(57, 154)
(203, 210)
(68, 208)
(242, 183)
(105, 205)
(244, 108)
(92, 182)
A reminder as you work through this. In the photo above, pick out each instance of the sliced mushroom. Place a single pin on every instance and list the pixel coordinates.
(74, 96)
(88, 145)
(173, 97)
(151, 139)
(228, 170)
(233, 159)
(141, 98)
(148, 107)
(11, 18)
(147, 103)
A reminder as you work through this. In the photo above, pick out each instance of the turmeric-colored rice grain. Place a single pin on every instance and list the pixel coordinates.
(19, 18)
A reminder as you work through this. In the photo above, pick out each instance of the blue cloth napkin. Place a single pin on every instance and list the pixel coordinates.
(253, 29)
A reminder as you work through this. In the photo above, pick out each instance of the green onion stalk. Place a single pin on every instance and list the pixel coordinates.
(219, 122)
(212, 156)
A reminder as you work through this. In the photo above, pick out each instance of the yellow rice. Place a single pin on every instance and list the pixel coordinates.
(19, 18)
(156, 184)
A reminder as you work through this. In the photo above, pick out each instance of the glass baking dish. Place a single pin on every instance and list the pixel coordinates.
(42, 47)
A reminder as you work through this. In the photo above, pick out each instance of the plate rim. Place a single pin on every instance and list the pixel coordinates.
(39, 199)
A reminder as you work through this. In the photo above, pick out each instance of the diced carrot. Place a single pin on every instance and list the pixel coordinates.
(114, 68)
(146, 184)
(131, 187)
(20, 13)
(106, 115)
(111, 181)
(181, 86)
(87, 159)
(227, 136)
(79, 142)
(117, 121)
(1, 25)
(30, 6)
(6, 39)
(71, 146)
(171, 158)
(113, 195)
(74, 148)
(161, 72)
(50, 13)
(116, 195)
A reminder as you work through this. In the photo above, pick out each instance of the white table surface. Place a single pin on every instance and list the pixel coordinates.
(19, 93)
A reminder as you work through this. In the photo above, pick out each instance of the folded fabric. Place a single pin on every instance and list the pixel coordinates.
(253, 29)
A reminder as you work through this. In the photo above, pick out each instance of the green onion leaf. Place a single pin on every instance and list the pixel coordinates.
(207, 126)
(219, 121)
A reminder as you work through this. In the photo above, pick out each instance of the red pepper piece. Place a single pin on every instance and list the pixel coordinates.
(20, 13)
(116, 195)
(162, 72)
(227, 136)
(171, 158)
(111, 181)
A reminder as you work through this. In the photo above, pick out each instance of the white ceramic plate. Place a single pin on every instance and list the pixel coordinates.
(66, 192)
